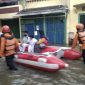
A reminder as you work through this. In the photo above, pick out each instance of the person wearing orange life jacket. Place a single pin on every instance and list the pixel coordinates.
(80, 36)
(8, 46)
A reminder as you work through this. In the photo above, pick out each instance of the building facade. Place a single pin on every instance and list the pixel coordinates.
(8, 10)
(76, 15)
(46, 15)
(57, 18)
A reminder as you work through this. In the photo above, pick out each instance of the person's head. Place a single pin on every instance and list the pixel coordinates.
(80, 26)
(44, 37)
(31, 36)
(6, 29)
(25, 33)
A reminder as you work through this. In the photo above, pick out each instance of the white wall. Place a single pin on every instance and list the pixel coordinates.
(44, 3)
(72, 17)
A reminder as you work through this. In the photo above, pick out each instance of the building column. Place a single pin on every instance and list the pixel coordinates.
(44, 24)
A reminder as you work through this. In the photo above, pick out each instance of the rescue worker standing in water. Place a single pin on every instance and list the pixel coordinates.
(8, 46)
(80, 36)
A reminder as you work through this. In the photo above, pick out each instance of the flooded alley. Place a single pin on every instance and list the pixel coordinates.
(73, 75)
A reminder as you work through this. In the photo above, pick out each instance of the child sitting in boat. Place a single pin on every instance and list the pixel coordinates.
(43, 42)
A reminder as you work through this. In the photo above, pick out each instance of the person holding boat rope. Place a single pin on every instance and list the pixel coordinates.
(80, 37)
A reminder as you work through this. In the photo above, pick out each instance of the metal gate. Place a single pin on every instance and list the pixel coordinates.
(55, 30)
(29, 28)
(32, 27)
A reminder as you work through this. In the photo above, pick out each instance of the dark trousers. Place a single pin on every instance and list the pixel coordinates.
(10, 61)
(83, 55)
(36, 49)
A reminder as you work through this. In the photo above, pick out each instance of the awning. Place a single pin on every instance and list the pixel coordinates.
(79, 5)
(43, 10)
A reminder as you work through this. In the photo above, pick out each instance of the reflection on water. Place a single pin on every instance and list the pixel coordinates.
(74, 75)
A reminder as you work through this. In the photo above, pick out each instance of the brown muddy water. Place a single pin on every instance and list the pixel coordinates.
(73, 75)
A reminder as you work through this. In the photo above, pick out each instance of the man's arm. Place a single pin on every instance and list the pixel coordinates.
(2, 46)
(75, 40)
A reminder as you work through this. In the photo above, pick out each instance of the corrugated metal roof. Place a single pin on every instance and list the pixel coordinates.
(43, 10)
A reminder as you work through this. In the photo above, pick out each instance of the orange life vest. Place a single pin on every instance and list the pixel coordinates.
(81, 35)
(9, 45)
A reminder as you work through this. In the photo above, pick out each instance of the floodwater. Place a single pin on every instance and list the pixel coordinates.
(73, 75)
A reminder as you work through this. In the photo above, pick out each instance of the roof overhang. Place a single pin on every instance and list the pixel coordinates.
(79, 5)
(8, 16)
(43, 10)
